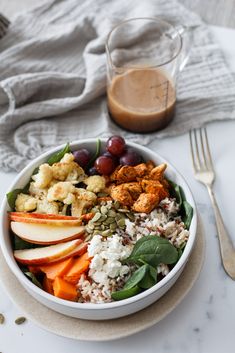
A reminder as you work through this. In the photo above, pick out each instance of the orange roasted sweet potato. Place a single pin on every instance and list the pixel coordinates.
(47, 285)
(80, 265)
(64, 290)
(57, 269)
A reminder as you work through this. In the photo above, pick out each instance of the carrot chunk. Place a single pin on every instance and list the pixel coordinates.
(47, 285)
(57, 269)
(80, 265)
(64, 290)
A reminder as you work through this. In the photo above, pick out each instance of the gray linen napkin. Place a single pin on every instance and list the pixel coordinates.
(52, 76)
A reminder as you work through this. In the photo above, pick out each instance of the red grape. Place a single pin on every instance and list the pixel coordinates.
(92, 171)
(116, 145)
(115, 158)
(105, 165)
(82, 157)
(130, 158)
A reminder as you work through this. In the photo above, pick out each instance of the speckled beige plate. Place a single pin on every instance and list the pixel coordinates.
(111, 329)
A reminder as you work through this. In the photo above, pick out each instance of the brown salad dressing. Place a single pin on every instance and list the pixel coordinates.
(142, 100)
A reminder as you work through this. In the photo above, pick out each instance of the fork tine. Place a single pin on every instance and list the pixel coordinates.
(203, 149)
(197, 149)
(192, 150)
(208, 150)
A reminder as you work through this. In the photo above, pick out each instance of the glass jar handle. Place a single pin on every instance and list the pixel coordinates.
(186, 33)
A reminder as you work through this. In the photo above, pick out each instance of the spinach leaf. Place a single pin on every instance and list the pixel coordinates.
(12, 196)
(187, 214)
(55, 158)
(153, 250)
(125, 293)
(137, 276)
(186, 209)
(33, 278)
(150, 279)
(96, 154)
(176, 192)
(20, 244)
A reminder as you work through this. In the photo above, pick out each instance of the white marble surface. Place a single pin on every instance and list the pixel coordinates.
(204, 321)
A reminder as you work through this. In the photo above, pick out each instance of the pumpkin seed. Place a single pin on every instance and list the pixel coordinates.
(97, 232)
(20, 320)
(103, 210)
(2, 319)
(109, 220)
(123, 210)
(103, 218)
(102, 227)
(121, 223)
(113, 226)
(107, 233)
(91, 226)
(131, 216)
(111, 213)
(96, 217)
(116, 205)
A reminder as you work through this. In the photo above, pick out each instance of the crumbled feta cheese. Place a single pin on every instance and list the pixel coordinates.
(25, 203)
(108, 254)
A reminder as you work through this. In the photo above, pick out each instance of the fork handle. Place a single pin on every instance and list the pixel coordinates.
(226, 246)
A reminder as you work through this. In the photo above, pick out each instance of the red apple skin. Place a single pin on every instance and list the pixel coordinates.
(47, 241)
(76, 249)
(49, 221)
(41, 216)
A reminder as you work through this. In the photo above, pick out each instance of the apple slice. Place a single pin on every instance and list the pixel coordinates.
(49, 221)
(46, 234)
(41, 215)
(48, 254)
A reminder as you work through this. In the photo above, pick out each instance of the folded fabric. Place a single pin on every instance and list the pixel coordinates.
(53, 76)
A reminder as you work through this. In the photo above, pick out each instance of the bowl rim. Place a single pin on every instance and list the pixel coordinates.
(97, 306)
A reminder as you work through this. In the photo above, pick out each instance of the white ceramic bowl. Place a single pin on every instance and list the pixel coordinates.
(107, 310)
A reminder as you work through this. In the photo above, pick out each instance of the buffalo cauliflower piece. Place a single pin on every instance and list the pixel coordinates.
(44, 176)
(95, 183)
(44, 206)
(83, 200)
(61, 191)
(25, 203)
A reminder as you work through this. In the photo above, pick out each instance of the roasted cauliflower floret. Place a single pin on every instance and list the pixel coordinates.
(62, 191)
(44, 206)
(83, 200)
(68, 172)
(35, 191)
(95, 183)
(25, 203)
(44, 176)
(145, 203)
(68, 158)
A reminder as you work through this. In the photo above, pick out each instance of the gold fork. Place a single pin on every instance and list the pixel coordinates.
(205, 173)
